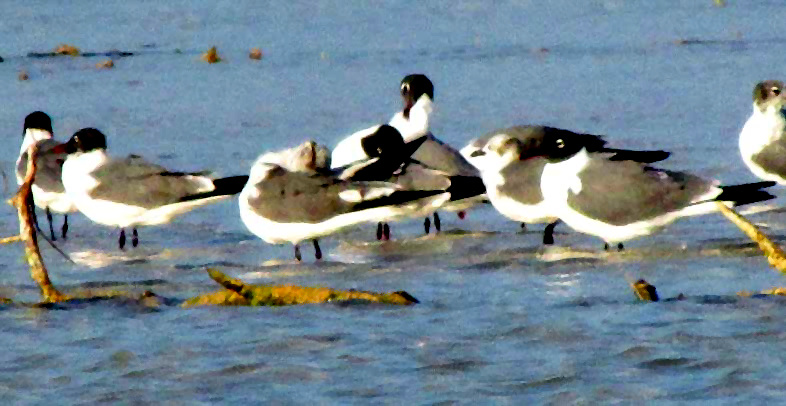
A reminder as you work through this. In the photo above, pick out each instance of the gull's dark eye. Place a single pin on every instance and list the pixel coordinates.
(776, 90)
(404, 88)
(560, 143)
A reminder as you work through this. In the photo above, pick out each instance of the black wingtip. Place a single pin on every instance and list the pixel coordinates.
(228, 186)
(645, 157)
(464, 187)
(231, 185)
(746, 193)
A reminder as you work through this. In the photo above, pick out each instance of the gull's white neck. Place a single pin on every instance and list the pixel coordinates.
(762, 128)
(32, 136)
(418, 122)
(561, 177)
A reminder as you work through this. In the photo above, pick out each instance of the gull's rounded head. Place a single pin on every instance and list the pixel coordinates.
(558, 146)
(384, 141)
(769, 93)
(37, 120)
(309, 156)
(86, 140)
(414, 86)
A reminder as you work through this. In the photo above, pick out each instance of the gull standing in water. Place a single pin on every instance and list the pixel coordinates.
(412, 122)
(617, 197)
(130, 192)
(763, 138)
(292, 196)
(48, 190)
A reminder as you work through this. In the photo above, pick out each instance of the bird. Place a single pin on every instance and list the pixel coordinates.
(290, 197)
(412, 122)
(389, 159)
(130, 192)
(512, 168)
(763, 137)
(48, 191)
(617, 196)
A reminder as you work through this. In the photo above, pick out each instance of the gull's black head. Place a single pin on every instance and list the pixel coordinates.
(384, 141)
(412, 88)
(559, 146)
(85, 140)
(768, 93)
(37, 120)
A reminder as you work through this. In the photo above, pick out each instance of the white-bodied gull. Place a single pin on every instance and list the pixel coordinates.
(763, 138)
(290, 198)
(48, 191)
(612, 195)
(131, 192)
(412, 122)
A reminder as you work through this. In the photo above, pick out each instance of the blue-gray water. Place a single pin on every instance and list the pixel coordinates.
(500, 320)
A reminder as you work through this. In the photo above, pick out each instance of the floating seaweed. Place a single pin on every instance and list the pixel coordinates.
(106, 64)
(211, 56)
(255, 54)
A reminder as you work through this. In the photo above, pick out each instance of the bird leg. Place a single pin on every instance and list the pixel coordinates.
(436, 222)
(134, 238)
(121, 242)
(620, 247)
(523, 227)
(427, 225)
(386, 232)
(64, 230)
(298, 257)
(51, 228)
(317, 251)
(548, 233)
(379, 231)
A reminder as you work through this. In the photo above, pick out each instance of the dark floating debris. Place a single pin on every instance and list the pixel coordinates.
(70, 50)
(1, 59)
(255, 54)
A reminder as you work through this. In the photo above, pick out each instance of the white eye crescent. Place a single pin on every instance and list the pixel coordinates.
(560, 143)
(404, 88)
(776, 90)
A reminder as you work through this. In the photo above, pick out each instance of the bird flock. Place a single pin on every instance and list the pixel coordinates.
(399, 170)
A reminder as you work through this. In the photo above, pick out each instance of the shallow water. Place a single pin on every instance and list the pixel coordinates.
(500, 318)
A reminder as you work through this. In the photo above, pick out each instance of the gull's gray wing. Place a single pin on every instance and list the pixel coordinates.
(623, 192)
(136, 182)
(49, 173)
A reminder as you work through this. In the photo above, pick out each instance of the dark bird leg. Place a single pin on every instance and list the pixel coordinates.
(386, 232)
(317, 251)
(121, 242)
(64, 230)
(548, 233)
(523, 227)
(298, 257)
(436, 222)
(134, 238)
(461, 214)
(605, 246)
(379, 231)
(427, 225)
(51, 228)
(620, 247)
